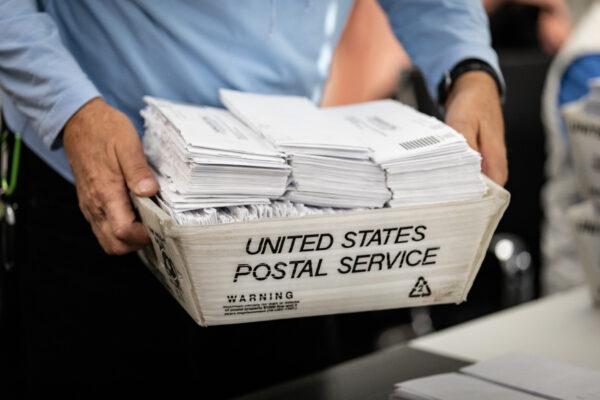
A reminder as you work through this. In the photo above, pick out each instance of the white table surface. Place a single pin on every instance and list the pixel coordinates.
(564, 327)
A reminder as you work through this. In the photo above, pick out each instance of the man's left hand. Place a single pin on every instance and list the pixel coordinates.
(473, 109)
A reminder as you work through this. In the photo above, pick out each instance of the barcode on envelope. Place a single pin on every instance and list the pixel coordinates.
(421, 142)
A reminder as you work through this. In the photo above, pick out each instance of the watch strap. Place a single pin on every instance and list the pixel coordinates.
(468, 65)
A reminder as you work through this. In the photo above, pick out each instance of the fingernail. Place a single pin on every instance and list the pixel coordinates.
(145, 186)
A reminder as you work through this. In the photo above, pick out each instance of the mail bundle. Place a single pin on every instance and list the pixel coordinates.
(275, 208)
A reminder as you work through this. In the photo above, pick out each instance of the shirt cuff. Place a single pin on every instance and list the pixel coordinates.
(454, 55)
(68, 103)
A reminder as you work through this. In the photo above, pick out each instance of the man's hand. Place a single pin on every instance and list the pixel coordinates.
(473, 109)
(107, 158)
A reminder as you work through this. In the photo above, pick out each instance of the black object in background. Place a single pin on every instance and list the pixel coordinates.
(525, 74)
(368, 378)
(514, 26)
(85, 323)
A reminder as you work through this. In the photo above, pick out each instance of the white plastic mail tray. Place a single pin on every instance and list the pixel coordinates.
(296, 267)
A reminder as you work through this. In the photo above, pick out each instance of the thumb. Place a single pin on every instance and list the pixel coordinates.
(495, 164)
(467, 128)
(138, 175)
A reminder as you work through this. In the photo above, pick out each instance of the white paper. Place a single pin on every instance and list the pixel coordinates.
(295, 122)
(395, 130)
(246, 213)
(365, 155)
(539, 376)
(453, 386)
(211, 128)
(205, 157)
(425, 160)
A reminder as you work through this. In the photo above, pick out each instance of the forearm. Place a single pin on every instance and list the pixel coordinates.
(439, 34)
(37, 73)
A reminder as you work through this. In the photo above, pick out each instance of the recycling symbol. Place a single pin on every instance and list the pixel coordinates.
(421, 288)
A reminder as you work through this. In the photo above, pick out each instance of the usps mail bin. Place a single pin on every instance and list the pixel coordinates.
(386, 258)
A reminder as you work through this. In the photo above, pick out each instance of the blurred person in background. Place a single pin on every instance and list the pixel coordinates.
(370, 63)
(567, 80)
(521, 23)
(368, 60)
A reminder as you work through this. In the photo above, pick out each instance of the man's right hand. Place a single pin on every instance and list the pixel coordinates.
(107, 158)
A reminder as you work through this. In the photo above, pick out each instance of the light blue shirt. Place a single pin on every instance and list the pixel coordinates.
(55, 55)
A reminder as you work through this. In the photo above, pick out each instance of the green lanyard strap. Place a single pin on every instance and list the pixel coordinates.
(9, 179)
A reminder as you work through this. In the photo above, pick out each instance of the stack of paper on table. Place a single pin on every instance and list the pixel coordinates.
(331, 163)
(453, 386)
(424, 159)
(516, 376)
(205, 157)
(538, 376)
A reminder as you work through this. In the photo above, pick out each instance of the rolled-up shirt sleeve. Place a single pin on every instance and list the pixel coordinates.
(438, 34)
(38, 75)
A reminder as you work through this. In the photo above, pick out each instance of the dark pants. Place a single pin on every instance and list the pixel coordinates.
(75, 317)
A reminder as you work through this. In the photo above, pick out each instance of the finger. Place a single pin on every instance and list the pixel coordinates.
(137, 173)
(111, 218)
(493, 151)
(467, 128)
(135, 235)
(107, 241)
(495, 167)
(122, 221)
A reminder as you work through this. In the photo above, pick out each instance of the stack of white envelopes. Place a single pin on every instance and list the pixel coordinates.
(331, 162)
(251, 212)
(363, 155)
(205, 157)
(425, 161)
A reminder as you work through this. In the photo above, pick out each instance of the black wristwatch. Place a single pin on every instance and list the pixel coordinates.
(468, 65)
